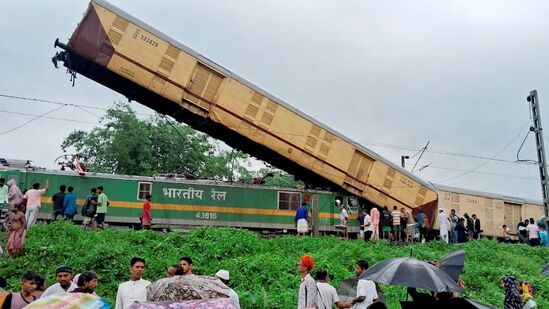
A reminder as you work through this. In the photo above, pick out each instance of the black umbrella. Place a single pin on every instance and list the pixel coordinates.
(545, 270)
(347, 288)
(452, 263)
(453, 303)
(410, 272)
(478, 305)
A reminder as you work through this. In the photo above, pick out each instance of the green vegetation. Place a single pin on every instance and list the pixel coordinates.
(127, 145)
(262, 271)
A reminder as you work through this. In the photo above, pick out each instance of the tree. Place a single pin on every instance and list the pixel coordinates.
(278, 178)
(128, 145)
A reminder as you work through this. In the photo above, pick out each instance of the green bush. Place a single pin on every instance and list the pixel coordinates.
(263, 272)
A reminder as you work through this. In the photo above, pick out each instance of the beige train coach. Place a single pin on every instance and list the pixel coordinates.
(493, 210)
(128, 56)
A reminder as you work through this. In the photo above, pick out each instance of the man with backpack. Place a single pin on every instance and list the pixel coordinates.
(89, 208)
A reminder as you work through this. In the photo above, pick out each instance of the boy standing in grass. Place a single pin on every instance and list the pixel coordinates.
(16, 239)
(23, 298)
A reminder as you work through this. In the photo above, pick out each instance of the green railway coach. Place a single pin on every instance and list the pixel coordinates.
(180, 204)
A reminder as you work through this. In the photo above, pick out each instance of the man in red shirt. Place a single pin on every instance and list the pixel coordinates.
(146, 215)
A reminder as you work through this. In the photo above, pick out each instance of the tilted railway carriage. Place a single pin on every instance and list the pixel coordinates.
(178, 204)
(128, 56)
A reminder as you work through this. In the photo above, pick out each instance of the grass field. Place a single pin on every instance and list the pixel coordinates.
(263, 272)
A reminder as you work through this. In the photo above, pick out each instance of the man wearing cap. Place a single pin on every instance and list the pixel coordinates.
(308, 292)
(223, 275)
(64, 284)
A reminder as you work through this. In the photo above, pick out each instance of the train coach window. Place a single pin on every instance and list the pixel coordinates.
(143, 188)
(289, 200)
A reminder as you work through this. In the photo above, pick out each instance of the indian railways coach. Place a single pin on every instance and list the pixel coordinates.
(180, 204)
(123, 53)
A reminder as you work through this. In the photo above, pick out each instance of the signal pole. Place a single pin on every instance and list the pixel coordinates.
(542, 163)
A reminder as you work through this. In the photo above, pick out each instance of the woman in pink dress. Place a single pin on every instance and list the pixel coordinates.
(374, 213)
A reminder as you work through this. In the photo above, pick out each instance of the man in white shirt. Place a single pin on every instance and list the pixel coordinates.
(368, 228)
(366, 293)
(134, 290)
(533, 233)
(344, 220)
(327, 295)
(64, 284)
(224, 276)
(443, 226)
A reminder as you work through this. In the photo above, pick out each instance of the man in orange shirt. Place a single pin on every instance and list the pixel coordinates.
(146, 217)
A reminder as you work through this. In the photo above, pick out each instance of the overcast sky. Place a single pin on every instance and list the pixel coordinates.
(388, 74)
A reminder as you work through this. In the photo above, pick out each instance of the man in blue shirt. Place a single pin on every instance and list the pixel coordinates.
(301, 216)
(69, 204)
(543, 236)
(420, 218)
(58, 199)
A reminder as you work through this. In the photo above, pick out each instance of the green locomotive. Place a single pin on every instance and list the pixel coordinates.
(180, 204)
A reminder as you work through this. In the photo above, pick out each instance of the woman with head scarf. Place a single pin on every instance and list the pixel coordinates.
(14, 193)
(512, 296)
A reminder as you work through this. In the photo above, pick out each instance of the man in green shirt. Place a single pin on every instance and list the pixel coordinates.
(102, 204)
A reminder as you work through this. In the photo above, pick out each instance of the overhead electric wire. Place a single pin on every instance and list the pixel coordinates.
(483, 173)
(33, 119)
(402, 147)
(484, 163)
(46, 117)
(2, 95)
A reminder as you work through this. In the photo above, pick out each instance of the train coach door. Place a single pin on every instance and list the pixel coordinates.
(316, 214)
(201, 91)
(511, 216)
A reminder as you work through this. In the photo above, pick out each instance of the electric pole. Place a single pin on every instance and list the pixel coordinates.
(538, 130)
(402, 162)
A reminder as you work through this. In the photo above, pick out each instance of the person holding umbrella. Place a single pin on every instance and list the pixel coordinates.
(366, 293)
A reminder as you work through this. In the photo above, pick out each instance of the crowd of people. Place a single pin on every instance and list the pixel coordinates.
(134, 290)
(322, 295)
(403, 226)
(23, 208)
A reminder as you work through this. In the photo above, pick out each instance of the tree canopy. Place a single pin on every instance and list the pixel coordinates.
(127, 145)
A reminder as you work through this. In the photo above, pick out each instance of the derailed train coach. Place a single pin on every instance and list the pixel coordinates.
(179, 204)
(125, 54)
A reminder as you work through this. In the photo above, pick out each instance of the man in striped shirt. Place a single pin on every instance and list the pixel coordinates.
(395, 214)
